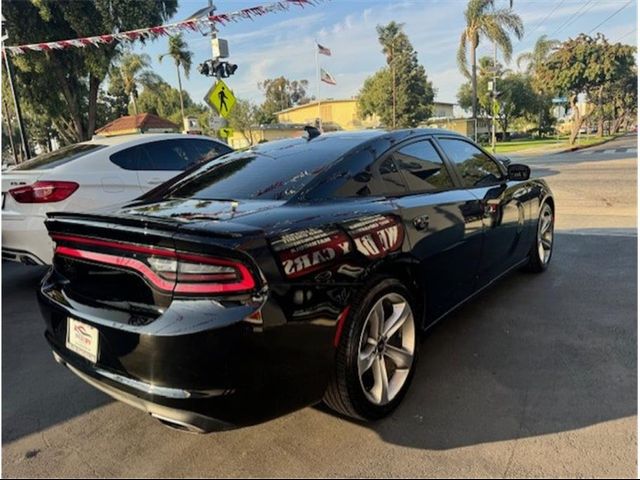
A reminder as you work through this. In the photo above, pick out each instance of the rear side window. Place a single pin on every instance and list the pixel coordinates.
(476, 168)
(59, 157)
(171, 155)
(422, 167)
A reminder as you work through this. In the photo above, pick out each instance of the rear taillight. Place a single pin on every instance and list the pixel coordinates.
(44, 192)
(180, 272)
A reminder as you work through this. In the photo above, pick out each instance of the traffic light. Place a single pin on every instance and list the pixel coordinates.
(216, 68)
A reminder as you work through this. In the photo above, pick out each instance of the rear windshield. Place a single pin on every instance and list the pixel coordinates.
(59, 157)
(270, 174)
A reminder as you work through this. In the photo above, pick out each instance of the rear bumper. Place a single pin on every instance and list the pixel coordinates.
(174, 417)
(25, 239)
(201, 366)
(21, 256)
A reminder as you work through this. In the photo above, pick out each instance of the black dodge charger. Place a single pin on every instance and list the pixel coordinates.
(294, 272)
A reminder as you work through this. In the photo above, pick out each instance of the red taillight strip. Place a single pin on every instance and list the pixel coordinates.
(123, 262)
(129, 247)
(245, 283)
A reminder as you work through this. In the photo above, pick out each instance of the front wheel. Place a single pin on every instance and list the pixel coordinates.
(542, 248)
(377, 353)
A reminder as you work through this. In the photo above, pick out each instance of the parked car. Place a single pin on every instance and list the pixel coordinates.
(292, 272)
(89, 175)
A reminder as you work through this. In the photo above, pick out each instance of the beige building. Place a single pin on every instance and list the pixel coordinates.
(336, 114)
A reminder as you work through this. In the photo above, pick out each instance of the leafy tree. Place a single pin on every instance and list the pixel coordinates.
(76, 73)
(243, 118)
(485, 75)
(517, 97)
(160, 98)
(281, 93)
(483, 20)
(182, 57)
(585, 65)
(400, 93)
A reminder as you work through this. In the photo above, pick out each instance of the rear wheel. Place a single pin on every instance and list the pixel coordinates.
(542, 248)
(376, 355)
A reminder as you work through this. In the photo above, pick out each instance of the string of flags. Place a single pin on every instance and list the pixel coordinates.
(193, 24)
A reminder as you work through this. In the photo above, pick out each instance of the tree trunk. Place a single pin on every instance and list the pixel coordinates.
(600, 131)
(578, 119)
(474, 84)
(393, 89)
(618, 122)
(135, 104)
(180, 91)
(72, 101)
(94, 83)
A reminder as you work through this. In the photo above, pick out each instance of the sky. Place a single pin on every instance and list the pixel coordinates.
(283, 43)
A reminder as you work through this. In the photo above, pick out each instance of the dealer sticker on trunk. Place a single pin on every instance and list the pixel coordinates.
(82, 339)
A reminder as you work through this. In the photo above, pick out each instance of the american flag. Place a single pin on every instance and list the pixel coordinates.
(326, 77)
(323, 50)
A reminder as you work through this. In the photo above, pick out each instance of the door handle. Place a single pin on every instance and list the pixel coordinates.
(421, 222)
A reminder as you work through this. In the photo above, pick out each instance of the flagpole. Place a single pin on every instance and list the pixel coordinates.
(318, 80)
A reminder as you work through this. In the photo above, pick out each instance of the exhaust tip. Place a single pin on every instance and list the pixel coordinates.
(178, 425)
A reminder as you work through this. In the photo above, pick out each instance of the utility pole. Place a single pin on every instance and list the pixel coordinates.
(493, 97)
(16, 102)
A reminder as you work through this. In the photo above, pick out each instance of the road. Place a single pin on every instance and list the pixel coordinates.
(535, 378)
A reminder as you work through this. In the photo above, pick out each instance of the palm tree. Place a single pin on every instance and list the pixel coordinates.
(134, 70)
(388, 37)
(182, 58)
(483, 20)
(539, 55)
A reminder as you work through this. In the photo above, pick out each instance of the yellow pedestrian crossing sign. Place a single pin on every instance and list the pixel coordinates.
(221, 98)
(225, 132)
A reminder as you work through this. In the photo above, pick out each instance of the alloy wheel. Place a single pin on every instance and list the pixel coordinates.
(545, 234)
(386, 348)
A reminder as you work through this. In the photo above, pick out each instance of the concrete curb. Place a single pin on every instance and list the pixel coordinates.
(581, 147)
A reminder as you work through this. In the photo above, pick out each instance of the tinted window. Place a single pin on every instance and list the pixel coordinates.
(360, 174)
(127, 159)
(205, 150)
(165, 155)
(476, 168)
(59, 157)
(174, 155)
(422, 167)
(275, 171)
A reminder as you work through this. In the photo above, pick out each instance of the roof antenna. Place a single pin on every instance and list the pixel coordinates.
(311, 132)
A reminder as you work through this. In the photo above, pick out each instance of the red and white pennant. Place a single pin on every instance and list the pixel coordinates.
(153, 32)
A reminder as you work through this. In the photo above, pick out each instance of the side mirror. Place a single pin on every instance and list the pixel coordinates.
(518, 172)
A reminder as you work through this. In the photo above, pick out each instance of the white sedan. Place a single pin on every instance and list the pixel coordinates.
(87, 176)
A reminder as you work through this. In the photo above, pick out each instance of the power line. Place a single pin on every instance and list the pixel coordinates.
(579, 13)
(625, 35)
(610, 16)
(543, 20)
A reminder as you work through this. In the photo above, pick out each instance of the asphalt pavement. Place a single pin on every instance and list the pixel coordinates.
(535, 378)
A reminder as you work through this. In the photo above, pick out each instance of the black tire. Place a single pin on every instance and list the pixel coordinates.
(345, 393)
(537, 264)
